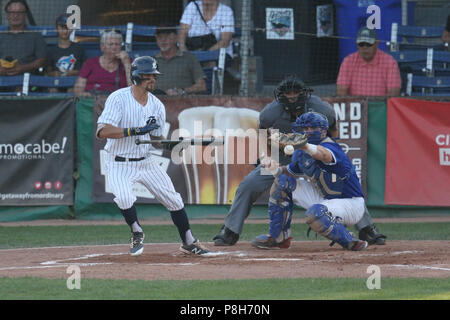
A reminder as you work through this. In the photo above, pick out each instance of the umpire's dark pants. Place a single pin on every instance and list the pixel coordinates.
(249, 190)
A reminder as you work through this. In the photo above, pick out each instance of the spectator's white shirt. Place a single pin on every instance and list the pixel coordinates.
(223, 21)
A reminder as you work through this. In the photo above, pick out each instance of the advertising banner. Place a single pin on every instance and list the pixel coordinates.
(206, 175)
(36, 152)
(418, 153)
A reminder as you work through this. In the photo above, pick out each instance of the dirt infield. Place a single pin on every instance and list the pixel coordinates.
(219, 220)
(164, 261)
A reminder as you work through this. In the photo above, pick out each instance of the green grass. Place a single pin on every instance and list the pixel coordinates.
(44, 236)
(251, 289)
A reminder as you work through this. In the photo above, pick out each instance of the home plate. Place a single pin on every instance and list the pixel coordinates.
(224, 253)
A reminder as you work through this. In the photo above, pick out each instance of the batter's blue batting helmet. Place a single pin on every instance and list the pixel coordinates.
(311, 119)
(143, 65)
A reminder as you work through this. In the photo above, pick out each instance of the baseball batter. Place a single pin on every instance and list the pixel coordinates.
(328, 188)
(130, 112)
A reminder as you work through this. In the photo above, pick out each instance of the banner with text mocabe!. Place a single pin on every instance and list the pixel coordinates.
(418, 153)
(36, 152)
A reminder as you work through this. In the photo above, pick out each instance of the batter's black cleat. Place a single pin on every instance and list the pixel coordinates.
(225, 237)
(137, 243)
(195, 248)
(372, 236)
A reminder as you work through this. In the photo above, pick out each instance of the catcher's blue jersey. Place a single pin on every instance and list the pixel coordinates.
(334, 180)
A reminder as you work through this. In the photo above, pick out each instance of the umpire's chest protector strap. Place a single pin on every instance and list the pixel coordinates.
(328, 184)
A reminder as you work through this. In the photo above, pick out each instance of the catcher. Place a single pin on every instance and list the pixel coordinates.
(321, 179)
(292, 99)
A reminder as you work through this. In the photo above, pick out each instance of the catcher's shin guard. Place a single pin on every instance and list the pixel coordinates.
(281, 207)
(321, 221)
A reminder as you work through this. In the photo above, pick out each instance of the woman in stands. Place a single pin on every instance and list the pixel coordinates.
(108, 72)
(202, 17)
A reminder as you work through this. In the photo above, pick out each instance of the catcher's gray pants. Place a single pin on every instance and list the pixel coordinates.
(250, 189)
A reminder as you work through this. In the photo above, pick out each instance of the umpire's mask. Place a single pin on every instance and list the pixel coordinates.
(292, 84)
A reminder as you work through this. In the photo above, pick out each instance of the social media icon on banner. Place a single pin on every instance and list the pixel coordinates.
(48, 185)
(37, 185)
(57, 185)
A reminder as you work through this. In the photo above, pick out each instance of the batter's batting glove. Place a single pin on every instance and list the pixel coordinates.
(127, 132)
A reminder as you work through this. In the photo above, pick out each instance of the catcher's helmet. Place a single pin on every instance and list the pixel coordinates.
(143, 65)
(292, 84)
(311, 119)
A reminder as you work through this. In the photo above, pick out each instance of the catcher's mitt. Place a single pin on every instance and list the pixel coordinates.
(294, 139)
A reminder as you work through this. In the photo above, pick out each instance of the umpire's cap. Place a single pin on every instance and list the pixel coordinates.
(143, 65)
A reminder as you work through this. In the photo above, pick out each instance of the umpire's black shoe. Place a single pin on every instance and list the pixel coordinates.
(372, 235)
(225, 237)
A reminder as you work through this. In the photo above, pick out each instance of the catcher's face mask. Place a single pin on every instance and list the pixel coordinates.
(313, 124)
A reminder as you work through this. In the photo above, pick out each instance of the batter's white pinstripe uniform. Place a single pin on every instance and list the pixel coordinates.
(123, 111)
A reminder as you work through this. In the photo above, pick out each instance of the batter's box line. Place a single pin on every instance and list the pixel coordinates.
(417, 266)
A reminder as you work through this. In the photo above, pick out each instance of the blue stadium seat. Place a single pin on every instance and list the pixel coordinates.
(428, 86)
(52, 82)
(10, 83)
(416, 37)
(209, 79)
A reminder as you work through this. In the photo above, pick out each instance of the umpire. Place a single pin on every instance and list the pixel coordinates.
(292, 99)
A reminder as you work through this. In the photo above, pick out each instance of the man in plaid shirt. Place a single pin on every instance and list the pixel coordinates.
(369, 71)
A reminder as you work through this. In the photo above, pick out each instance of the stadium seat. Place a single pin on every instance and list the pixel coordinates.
(428, 86)
(416, 37)
(10, 83)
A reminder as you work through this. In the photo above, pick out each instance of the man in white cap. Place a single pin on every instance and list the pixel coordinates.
(369, 71)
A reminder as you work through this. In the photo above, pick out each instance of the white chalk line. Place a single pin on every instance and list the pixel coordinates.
(418, 266)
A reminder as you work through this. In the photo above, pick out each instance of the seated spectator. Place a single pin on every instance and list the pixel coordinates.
(67, 57)
(369, 71)
(181, 72)
(203, 17)
(446, 33)
(20, 51)
(108, 72)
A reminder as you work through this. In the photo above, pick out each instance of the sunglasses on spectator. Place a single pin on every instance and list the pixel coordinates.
(16, 12)
(364, 44)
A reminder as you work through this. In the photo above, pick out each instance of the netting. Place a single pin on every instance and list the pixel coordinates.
(253, 46)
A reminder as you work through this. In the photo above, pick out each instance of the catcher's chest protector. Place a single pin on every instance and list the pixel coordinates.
(329, 185)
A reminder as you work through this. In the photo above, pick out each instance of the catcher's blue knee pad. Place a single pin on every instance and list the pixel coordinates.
(321, 221)
(281, 205)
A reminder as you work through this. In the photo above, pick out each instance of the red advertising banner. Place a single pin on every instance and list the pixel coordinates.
(418, 153)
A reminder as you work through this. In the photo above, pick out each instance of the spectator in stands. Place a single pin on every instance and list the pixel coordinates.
(181, 71)
(206, 16)
(67, 57)
(446, 33)
(108, 72)
(20, 51)
(369, 71)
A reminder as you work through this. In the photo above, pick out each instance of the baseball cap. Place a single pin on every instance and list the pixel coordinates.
(62, 20)
(366, 35)
(166, 28)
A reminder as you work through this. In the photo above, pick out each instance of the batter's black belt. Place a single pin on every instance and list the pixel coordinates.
(122, 159)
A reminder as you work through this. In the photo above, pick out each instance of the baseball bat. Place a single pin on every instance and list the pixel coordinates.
(203, 142)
